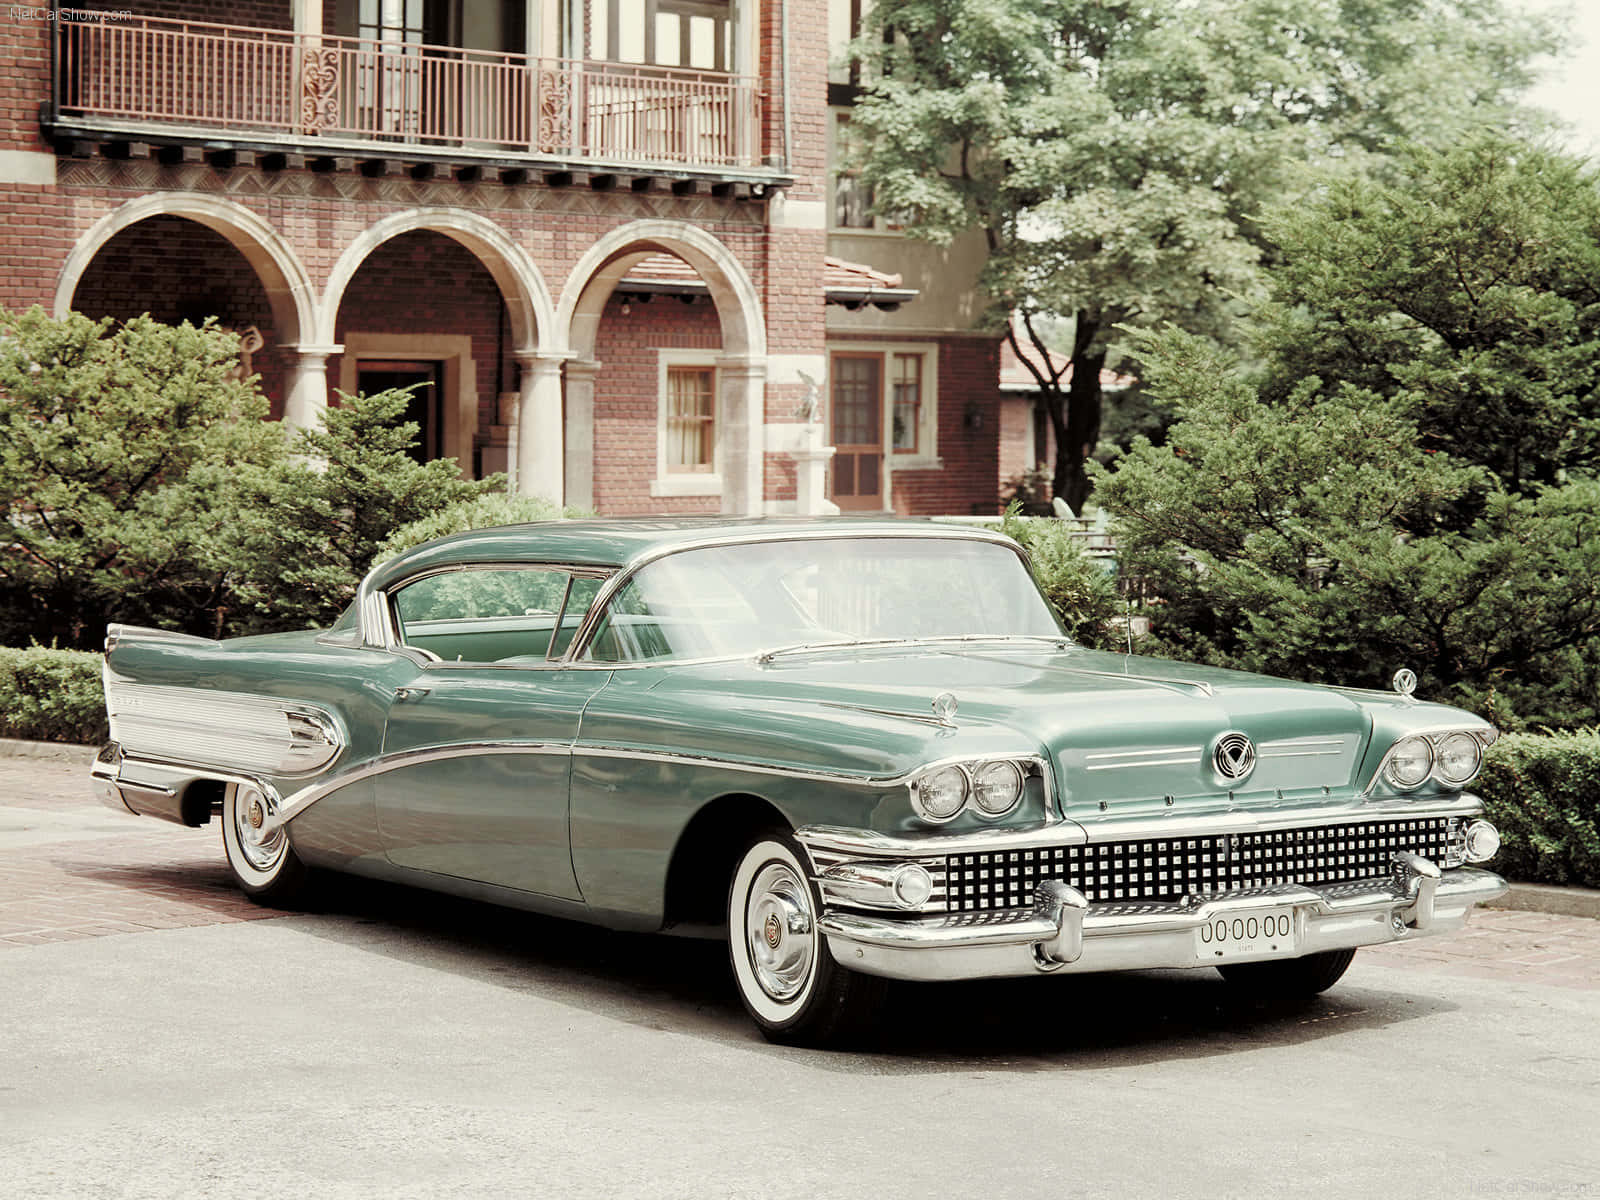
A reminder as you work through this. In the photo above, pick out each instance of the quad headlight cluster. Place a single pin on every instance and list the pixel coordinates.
(1451, 757)
(991, 788)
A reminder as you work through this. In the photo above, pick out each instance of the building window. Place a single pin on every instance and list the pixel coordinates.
(907, 403)
(663, 33)
(852, 199)
(688, 424)
(691, 419)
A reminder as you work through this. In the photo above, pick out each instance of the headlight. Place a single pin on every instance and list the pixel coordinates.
(1409, 763)
(940, 795)
(996, 788)
(1458, 758)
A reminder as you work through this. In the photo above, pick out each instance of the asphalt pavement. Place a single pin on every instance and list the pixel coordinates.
(163, 1037)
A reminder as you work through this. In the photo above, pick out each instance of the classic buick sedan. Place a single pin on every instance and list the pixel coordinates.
(863, 748)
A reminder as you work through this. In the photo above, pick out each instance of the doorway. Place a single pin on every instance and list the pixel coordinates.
(424, 400)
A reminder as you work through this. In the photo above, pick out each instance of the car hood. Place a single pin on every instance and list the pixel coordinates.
(1137, 731)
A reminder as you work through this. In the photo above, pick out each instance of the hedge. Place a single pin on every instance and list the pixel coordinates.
(1542, 791)
(52, 695)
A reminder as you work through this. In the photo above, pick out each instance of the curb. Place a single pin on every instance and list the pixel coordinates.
(1523, 897)
(1545, 898)
(53, 751)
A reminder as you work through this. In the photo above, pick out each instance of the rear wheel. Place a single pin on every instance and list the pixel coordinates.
(787, 977)
(1290, 978)
(263, 862)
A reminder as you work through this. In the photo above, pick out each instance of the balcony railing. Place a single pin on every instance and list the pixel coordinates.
(286, 86)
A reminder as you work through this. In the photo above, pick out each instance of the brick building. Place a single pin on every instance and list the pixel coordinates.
(605, 236)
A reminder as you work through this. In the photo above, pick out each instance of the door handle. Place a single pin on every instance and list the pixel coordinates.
(402, 694)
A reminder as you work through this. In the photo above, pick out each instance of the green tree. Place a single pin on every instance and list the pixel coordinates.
(1469, 288)
(309, 526)
(1114, 154)
(111, 441)
(1429, 499)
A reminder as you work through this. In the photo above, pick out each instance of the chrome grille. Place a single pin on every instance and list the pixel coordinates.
(1169, 868)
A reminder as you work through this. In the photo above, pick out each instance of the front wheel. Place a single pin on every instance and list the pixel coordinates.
(1290, 978)
(787, 977)
(263, 863)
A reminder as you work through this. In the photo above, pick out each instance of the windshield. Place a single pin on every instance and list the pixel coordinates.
(747, 599)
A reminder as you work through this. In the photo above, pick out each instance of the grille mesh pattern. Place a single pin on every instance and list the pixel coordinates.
(1168, 868)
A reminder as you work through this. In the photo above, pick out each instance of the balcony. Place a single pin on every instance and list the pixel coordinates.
(325, 97)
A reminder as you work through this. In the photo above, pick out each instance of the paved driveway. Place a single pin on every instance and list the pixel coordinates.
(160, 1037)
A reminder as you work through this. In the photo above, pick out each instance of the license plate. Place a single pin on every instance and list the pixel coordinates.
(1268, 932)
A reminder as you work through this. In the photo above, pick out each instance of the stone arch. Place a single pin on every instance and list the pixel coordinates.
(527, 298)
(288, 287)
(744, 329)
(741, 365)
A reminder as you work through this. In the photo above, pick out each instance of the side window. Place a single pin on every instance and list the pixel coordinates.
(492, 614)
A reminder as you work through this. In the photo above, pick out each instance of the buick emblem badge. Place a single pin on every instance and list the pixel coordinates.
(1235, 756)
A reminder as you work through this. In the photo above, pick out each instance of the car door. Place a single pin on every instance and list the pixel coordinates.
(479, 739)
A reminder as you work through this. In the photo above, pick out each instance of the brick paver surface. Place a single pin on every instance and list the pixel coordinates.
(157, 875)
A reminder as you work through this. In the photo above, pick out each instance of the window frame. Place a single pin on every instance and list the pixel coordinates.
(669, 482)
(925, 454)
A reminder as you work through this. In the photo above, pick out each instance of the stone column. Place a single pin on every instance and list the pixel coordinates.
(742, 404)
(307, 397)
(580, 431)
(538, 431)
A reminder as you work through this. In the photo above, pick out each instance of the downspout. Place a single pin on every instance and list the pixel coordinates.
(784, 35)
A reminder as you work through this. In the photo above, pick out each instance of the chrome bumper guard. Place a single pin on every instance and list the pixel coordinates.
(1064, 932)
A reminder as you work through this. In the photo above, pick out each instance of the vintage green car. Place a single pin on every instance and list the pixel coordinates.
(863, 748)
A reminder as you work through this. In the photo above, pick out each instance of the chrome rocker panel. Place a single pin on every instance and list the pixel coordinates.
(1065, 933)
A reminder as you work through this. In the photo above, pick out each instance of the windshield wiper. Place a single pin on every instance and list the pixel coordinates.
(766, 656)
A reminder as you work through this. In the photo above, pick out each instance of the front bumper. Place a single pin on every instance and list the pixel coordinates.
(1064, 932)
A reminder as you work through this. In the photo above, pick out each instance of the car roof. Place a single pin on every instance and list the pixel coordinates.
(618, 542)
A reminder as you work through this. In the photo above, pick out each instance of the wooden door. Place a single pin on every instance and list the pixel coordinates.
(856, 403)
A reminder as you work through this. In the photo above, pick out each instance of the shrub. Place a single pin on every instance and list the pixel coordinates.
(116, 447)
(309, 527)
(481, 512)
(1079, 588)
(49, 695)
(1543, 793)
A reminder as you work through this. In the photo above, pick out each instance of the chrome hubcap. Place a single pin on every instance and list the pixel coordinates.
(260, 841)
(779, 931)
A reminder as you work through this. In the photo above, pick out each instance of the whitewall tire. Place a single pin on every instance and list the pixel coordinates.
(262, 861)
(787, 978)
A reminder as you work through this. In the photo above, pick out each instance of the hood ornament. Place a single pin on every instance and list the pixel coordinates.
(1405, 682)
(944, 709)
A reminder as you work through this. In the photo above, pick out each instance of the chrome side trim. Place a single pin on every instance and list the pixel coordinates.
(228, 730)
(116, 632)
(1171, 756)
(1302, 748)
(299, 801)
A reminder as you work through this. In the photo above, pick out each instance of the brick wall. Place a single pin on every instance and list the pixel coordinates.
(424, 283)
(177, 270)
(254, 14)
(969, 372)
(24, 80)
(626, 399)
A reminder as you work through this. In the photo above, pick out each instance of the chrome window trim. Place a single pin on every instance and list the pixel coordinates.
(377, 607)
(580, 641)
